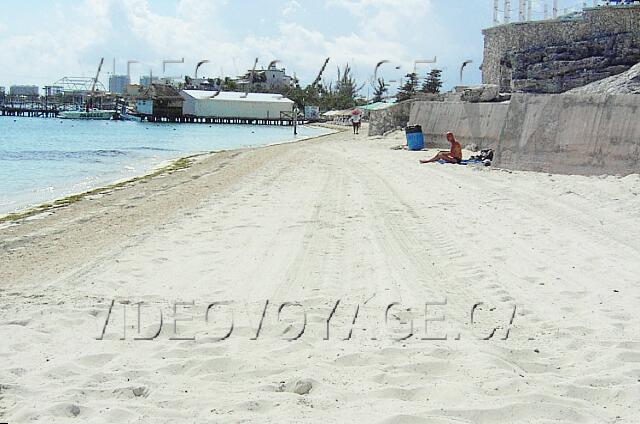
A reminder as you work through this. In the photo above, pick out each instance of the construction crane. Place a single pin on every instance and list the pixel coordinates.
(95, 80)
(93, 85)
(319, 77)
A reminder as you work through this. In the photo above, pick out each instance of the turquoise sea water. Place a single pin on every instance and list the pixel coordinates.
(45, 159)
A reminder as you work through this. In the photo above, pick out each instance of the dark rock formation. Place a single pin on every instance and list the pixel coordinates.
(480, 93)
(557, 55)
(559, 68)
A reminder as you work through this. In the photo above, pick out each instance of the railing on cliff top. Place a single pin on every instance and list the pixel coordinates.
(542, 11)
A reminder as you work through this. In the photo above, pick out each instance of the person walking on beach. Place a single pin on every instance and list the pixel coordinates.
(356, 119)
(454, 155)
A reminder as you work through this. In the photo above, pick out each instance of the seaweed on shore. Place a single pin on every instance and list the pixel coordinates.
(178, 164)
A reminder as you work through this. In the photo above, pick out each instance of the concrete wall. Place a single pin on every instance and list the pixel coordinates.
(394, 117)
(570, 134)
(557, 55)
(479, 123)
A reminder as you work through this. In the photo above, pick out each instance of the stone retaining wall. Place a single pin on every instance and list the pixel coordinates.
(389, 119)
(569, 134)
(558, 55)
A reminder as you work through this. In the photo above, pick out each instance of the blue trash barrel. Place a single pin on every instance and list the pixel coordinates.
(415, 138)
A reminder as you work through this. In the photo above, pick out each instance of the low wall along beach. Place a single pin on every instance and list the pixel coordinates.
(572, 134)
(569, 134)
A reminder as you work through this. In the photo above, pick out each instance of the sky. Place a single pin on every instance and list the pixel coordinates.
(42, 41)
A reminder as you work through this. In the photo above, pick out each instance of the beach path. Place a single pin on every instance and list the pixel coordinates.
(311, 277)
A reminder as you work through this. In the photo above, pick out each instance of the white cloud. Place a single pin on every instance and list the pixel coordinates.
(72, 42)
(290, 8)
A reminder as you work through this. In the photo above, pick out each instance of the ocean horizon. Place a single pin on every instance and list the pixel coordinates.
(45, 159)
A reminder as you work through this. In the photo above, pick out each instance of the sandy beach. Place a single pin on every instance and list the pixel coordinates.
(316, 282)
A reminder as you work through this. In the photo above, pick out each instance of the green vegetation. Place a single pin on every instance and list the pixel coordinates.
(433, 82)
(342, 95)
(229, 85)
(379, 90)
(410, 88)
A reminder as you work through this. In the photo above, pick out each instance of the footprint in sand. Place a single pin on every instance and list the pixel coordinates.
(629, 356)
(96, 361)
(160, 260)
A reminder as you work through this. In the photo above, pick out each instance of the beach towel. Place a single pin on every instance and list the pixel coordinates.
(465, 162)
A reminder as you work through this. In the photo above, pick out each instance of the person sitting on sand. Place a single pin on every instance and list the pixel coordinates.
(452, 156)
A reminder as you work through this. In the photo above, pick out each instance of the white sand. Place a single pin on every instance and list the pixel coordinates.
(338, 218)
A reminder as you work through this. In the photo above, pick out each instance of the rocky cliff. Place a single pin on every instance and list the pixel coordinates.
(562, 67)
(559, 55)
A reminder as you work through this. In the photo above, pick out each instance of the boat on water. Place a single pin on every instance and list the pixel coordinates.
(95, 114)
(126, 115)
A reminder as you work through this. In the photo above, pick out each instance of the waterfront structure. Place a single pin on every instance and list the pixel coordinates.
(227, 104)
(133, 90)
(53, 90)
(24, 90)
(118, 83)
(160, 101)
(75, 90)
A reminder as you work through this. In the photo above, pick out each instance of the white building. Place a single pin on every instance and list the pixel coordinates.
(227, 104)
(118, 84)
(24, 90)
(266, 79)
(277, 77)
(205, 84)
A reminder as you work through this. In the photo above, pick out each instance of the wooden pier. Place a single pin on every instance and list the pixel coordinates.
(35, 113)
(42, 110)
(213, 120)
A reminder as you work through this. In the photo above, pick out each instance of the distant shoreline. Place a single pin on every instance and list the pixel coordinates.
(166, 167)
